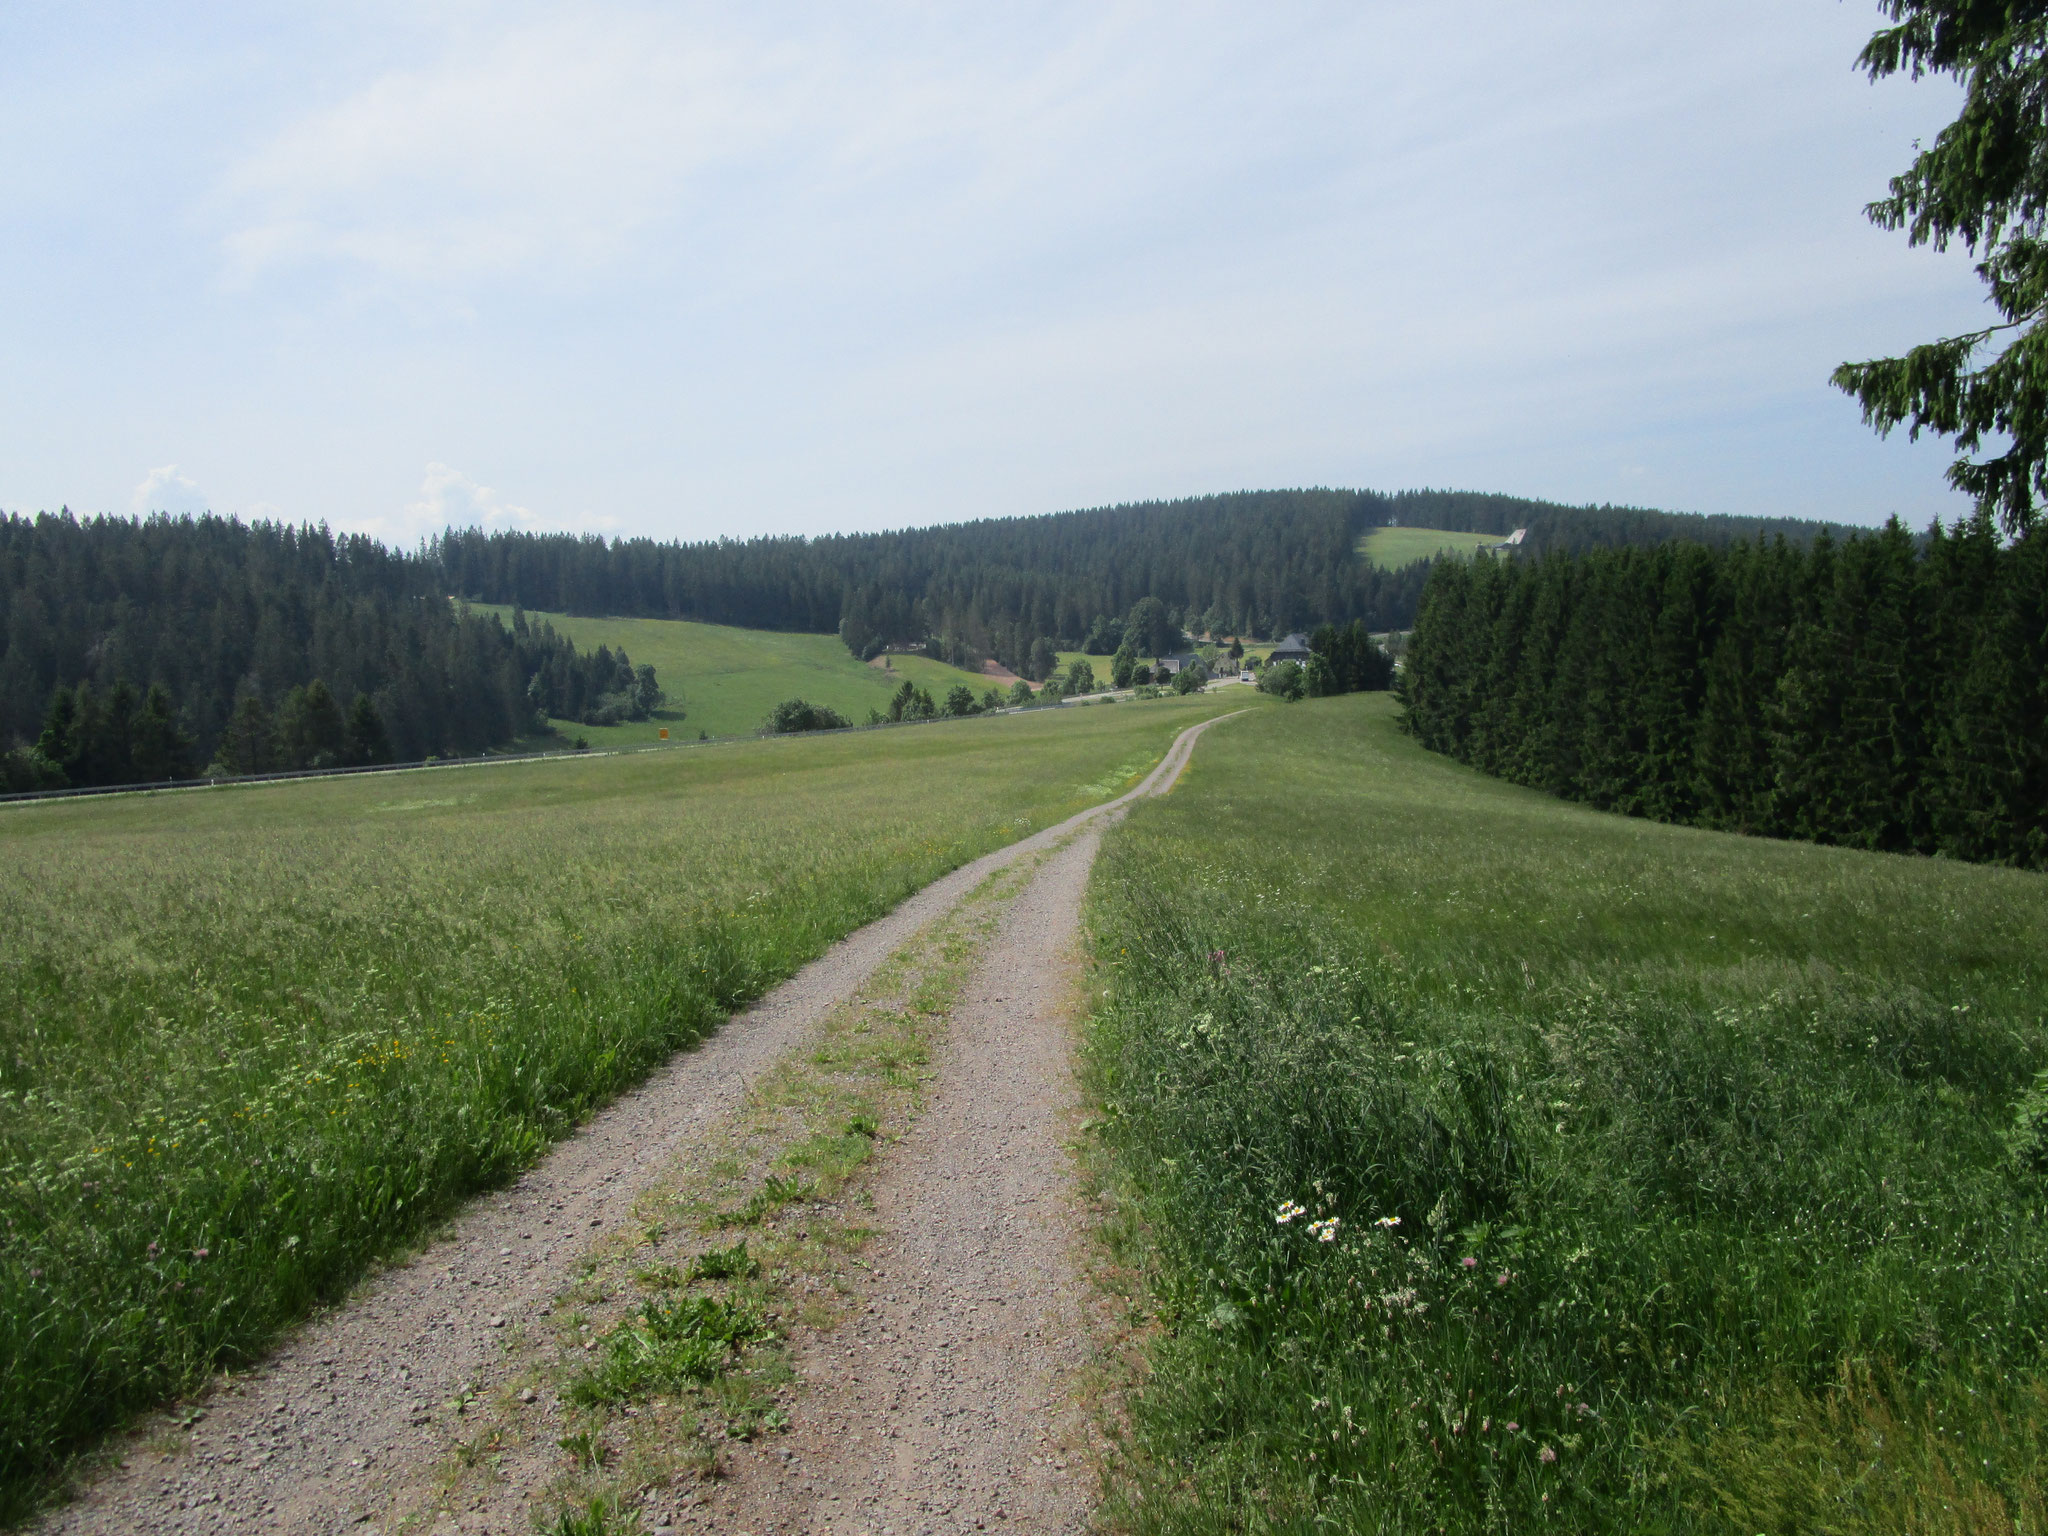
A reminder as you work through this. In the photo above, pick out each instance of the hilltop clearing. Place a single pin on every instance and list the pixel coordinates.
(1392, 548)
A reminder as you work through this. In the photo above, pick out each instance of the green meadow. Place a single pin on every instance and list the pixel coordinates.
(728, 679)
(1495, 1164)
(253, 1038)
(1392, 548)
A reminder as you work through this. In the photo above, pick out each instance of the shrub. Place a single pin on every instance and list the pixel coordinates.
(1284, 680)
(793, 715)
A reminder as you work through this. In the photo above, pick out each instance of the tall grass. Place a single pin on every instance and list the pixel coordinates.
(251, 1039)
(1679, 1181)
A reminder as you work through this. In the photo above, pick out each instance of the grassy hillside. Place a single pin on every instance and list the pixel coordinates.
(730, 678)
(1508, 1164)
(251, 1038)
(1392, 548)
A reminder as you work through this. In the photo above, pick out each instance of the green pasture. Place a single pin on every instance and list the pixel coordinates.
(1680, 1181)
(252, 1038)
(1392, 548)
(729, 679)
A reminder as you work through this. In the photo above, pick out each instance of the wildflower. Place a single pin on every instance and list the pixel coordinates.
(1485, 1425)
(151, 1250)
(1325, 1230)
(200, 1253)
(1501, 1278)
(1469, 1262)
(1546, 1455)
(1288, 1212)
(1512, 1426)
(35, 1274)
(1389, 1222)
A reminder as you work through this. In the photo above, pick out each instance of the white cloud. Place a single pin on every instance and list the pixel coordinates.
(165, 490)
(450, 499)
(540, 151)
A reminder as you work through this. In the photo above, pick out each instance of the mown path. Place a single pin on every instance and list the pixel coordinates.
(940, 1406)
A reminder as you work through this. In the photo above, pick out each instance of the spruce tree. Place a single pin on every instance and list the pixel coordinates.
(249, 743)
(365, 743)
(160, 750)
(58, 745)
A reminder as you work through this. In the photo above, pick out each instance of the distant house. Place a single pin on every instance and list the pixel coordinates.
(1293, 648)
(1174, 665)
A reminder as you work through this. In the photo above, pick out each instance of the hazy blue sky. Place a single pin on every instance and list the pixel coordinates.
(693, 271)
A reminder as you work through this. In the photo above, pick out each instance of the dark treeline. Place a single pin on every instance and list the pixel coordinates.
(133, 651)
(1880, 692)
(1256, 563)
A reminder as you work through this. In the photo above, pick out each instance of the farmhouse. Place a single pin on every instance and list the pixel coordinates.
(1174, 665)
(1293, 648)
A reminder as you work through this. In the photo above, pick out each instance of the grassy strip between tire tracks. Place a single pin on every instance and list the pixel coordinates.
(251, 1039)
(762, 1224)
(1504, 1164)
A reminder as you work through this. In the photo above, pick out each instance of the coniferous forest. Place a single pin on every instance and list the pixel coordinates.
(141, 651)
(181, 643)
(1256, 563)
(1879, 691)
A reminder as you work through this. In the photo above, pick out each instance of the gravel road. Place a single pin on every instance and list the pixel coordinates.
(940, 1406)
(945, 1402)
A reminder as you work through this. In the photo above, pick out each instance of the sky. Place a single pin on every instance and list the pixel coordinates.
(694, 271)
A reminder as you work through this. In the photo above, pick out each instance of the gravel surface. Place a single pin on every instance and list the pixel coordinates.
(975, 1300)
(945, 1401)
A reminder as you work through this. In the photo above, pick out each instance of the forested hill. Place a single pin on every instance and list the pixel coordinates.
(216, 613)
(1255, 562)
(134, 651)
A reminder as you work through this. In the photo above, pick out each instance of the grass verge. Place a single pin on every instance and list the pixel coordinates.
(1503, 1164)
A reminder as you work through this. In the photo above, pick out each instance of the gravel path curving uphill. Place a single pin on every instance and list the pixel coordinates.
(949, 1409)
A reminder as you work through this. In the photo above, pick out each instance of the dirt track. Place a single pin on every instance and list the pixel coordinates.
(940, 1406)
